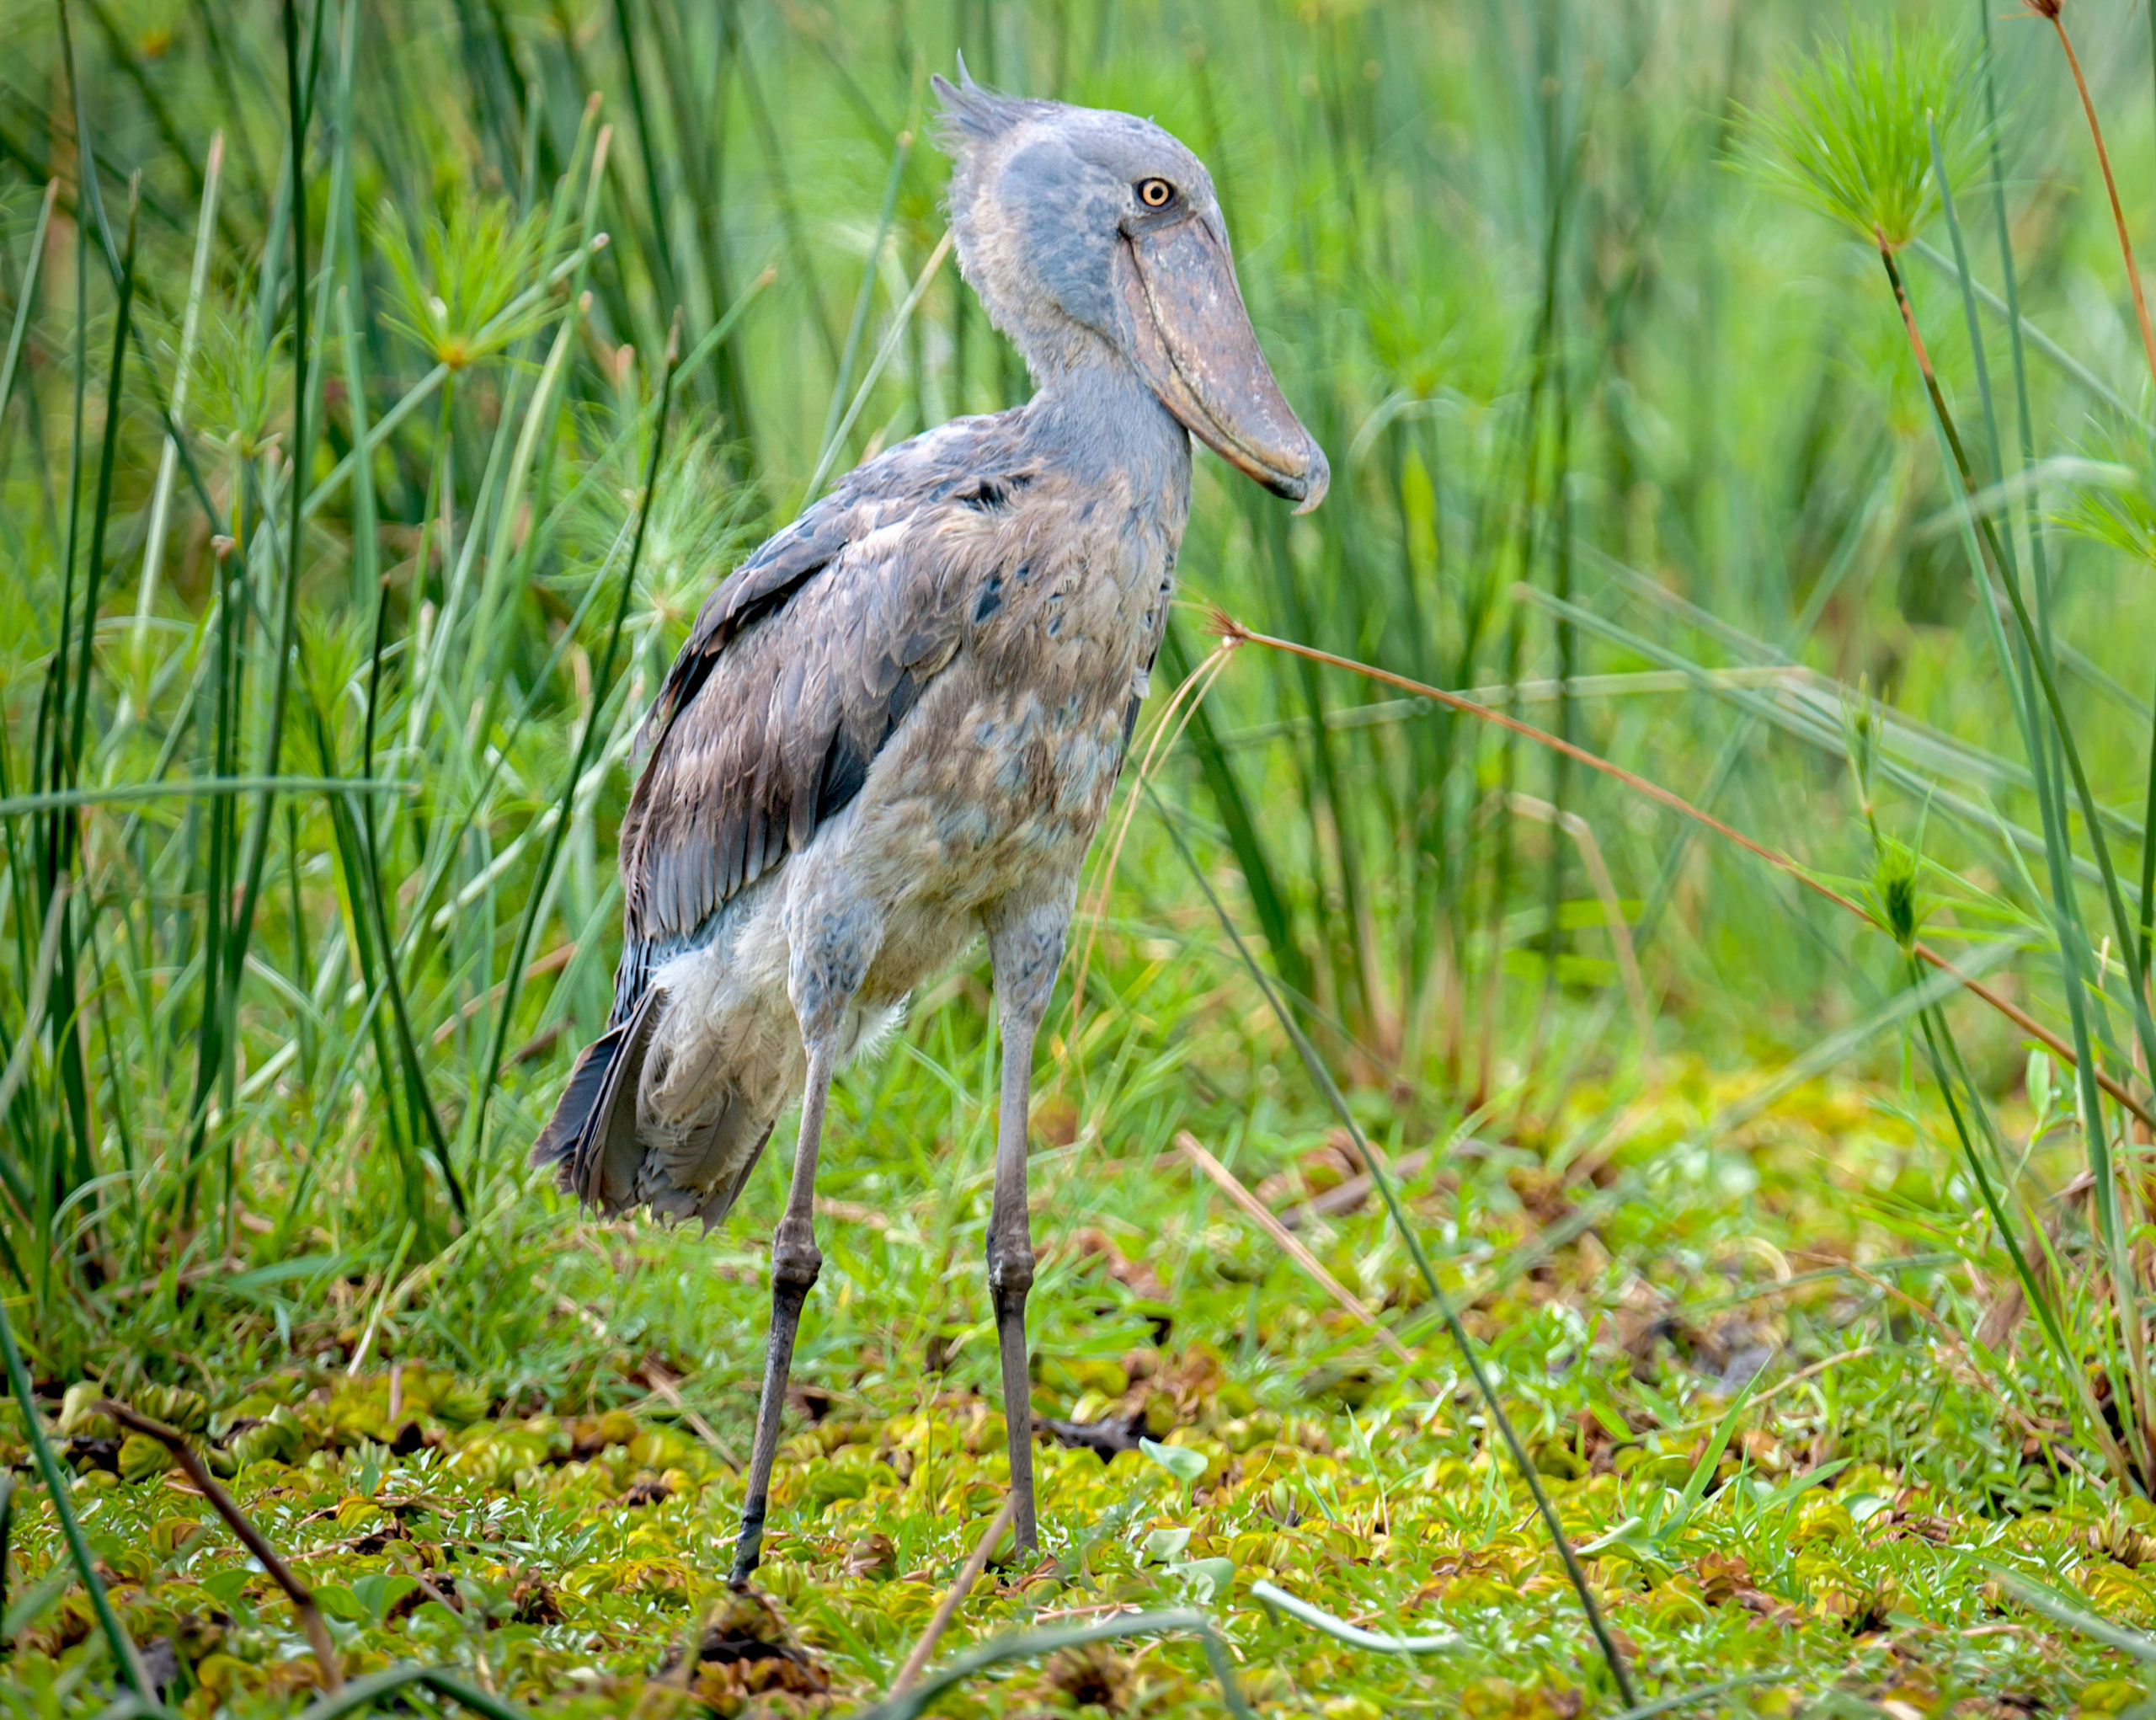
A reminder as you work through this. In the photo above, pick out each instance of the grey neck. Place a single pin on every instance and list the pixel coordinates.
(1093, 417)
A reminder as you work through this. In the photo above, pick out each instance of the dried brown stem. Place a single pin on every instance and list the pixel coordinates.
(947, 1609)
(2110, 186)
(1231, 1185)
(253, 1539)
(668, 1387)
(1237, 634)
(1605, 889)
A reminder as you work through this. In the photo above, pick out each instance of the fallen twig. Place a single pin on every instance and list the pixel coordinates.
(363, 1693)
(253, 1539)
(1291, 1245)
(969, 1573)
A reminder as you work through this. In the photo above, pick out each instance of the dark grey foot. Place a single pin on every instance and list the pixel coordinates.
(1017, 1410)
(794, 1271)
(748, 1548)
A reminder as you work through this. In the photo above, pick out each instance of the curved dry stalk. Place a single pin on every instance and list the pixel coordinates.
(2054, 11)
(253, 1539)
(1605, 889)
(48, 951)
(1235, 632)
(1268, 1221)
(1193, 688)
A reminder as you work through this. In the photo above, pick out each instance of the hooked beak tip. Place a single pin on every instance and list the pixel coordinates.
(1305, 487)
(1309, 490)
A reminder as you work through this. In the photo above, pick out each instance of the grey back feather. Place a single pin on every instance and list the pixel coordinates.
(797, 671)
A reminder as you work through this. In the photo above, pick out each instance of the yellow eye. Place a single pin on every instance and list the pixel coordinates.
(1156, 194)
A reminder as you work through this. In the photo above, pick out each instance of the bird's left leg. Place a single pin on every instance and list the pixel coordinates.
(1025, 945)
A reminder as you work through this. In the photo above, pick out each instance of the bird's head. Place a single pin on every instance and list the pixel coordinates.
(1080, 227)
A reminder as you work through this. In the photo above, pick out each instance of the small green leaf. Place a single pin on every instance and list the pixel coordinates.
(1164, 1546)
(225, 1587)
(1181, 1462)
(1208, 1578)
(339, 1603)
(1702, 1472)
(831, 1484)
(380, 1591)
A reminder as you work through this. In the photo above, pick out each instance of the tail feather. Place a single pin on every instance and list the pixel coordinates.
(714, 1211)
(698, 1174)
(592, 1136)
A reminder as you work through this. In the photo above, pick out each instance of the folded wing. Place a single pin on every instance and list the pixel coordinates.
(800, 668)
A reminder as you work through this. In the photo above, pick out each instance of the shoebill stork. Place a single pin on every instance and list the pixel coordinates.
(898, 722)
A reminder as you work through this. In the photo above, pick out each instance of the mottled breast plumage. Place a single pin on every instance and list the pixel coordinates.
(799, 669)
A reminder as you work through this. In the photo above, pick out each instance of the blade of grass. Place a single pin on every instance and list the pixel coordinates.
(1030, 1645)
(2043, 747)
(107, 455)
(866, 296)
(1936, 1035)
(1701, 1693)
(26, 296)
(122, 1645)
(1994, 568)
(602, 687)
(1382, 1178)
(2020, 329)
(900, 320)
(153, 551)
(362, 1694)
(1275, 1599)
(1990, 564)
(2059, 1608)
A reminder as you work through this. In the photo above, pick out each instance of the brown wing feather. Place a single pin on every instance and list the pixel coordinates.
(798, 670)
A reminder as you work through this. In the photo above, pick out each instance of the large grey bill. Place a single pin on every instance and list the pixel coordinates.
(1198, 351)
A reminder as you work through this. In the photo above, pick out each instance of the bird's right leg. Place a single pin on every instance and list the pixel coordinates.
(835, 939)
(795, 1262)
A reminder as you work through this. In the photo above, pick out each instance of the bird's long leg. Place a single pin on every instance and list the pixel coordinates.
(1025, 947)
(795, 1262)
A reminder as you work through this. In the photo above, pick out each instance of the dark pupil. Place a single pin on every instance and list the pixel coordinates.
(1156, 192)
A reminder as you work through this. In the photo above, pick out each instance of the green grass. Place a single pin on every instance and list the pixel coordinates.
(494, 331)
(1841, 1543)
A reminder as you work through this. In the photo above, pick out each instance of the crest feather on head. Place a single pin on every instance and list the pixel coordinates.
(972, 115)
(980, 130)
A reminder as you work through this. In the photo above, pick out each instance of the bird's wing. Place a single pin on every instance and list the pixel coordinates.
(798, 670)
